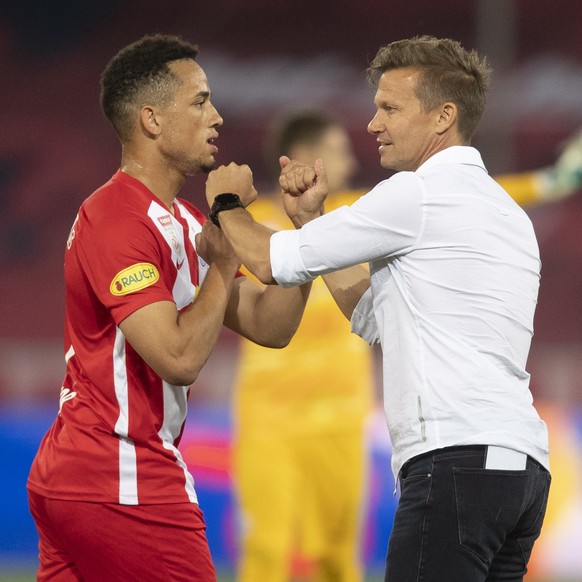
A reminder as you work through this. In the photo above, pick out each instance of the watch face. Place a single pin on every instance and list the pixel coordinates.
(225, 201)
(227, 198)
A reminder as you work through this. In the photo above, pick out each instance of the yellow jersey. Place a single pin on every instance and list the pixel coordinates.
(323, 380)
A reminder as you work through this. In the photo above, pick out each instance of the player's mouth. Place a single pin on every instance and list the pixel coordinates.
(210, 142)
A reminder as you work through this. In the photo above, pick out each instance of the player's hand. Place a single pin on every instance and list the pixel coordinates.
(304, 189)
(214, 248)
(234, 179)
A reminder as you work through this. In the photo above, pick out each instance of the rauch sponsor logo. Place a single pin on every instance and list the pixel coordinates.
(134, 278)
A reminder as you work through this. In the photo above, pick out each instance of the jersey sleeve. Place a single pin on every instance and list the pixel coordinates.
(123, 262)
(524, 188)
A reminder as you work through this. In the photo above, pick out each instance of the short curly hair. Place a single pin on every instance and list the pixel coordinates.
(448, 73)
(139, 74)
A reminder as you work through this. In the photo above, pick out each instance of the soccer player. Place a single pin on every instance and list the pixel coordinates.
(303, 409)
(149, 284)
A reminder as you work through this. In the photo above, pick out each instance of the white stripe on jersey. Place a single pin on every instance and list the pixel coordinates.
(70, 353)
(175, 409)
(127, 455)
(194, 228)
(183, 292)
(172, 231)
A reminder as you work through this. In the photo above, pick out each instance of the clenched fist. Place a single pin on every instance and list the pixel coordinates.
(304, 189)
(232, 178)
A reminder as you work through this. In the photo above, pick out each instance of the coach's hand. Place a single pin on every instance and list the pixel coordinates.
(304, 190)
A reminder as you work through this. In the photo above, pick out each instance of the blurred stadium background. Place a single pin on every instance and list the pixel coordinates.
(262, 57)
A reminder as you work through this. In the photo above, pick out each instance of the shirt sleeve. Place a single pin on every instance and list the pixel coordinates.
(122, 246)
(385, 222)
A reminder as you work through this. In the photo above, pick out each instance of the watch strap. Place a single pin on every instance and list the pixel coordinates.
(226, 201)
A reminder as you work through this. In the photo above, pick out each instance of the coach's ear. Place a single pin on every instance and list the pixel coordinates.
(446, 116)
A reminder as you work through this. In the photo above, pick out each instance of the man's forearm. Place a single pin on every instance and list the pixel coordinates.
(250, 241)
(279, 312)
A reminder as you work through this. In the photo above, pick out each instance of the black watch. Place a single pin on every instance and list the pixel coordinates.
(222, 202)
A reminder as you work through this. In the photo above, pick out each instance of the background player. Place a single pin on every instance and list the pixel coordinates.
(303, 409)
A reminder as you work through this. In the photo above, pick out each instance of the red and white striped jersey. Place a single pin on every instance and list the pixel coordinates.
(119, 424)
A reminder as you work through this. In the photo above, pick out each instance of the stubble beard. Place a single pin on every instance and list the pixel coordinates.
(207, 167)
(201, 166)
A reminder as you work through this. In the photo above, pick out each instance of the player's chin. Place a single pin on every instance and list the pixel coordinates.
(206, 168)
(206, 165)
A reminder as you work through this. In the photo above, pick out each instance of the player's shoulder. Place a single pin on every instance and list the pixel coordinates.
(110, 198)
(115, 207)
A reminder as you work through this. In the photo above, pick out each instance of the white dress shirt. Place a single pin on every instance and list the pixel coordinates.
(454, 267)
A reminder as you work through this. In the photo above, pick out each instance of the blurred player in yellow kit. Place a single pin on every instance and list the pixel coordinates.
(549, 184)
(300, 460)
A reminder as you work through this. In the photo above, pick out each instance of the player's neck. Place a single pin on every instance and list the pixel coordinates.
(162, 181)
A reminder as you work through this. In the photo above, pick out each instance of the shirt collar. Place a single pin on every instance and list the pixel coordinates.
(454, 155)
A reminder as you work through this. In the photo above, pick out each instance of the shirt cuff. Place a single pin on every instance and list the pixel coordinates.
(287, 265)
(363, 321)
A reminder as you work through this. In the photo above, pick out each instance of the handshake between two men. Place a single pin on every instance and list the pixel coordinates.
(303, 188)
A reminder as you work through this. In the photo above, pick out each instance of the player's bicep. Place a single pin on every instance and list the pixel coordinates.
(151, 330)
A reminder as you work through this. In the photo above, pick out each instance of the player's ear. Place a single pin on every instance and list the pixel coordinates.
(149, 120)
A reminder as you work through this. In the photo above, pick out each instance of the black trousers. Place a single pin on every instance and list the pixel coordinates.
(457, 521)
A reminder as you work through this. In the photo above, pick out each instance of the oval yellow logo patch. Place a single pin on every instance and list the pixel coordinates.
(134, 278)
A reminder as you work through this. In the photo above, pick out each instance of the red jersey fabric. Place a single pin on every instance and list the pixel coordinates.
(116, 435)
